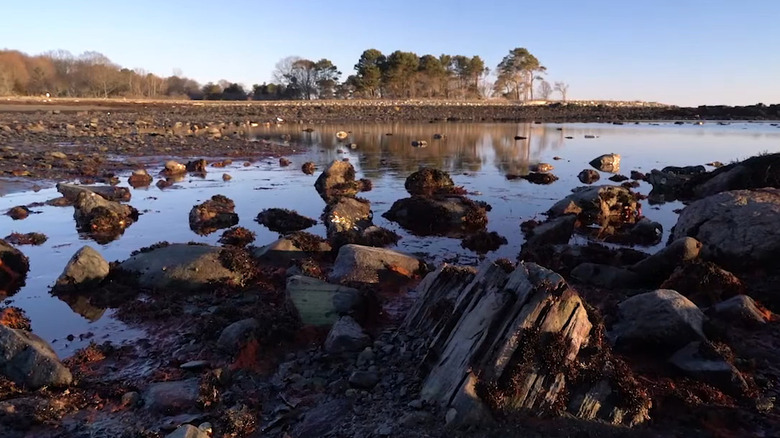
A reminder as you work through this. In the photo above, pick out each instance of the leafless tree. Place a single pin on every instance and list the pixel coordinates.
(563, 88)
(544, 90)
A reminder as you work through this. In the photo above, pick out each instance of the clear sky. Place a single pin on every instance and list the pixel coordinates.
(685, 52)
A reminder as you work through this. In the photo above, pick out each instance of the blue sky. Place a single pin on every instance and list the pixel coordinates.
(685, 52)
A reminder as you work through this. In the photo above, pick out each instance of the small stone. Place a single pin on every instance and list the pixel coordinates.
(451, 416)
(194, 365)
(346, 335)
(384, 430)
(364, 379)
(365, 357)
(416, 404)
(226, 177)
(131, 399)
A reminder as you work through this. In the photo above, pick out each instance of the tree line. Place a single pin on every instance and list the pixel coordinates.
(399, 75)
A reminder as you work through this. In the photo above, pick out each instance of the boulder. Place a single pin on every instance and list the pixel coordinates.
(365, 264)
(172, 397)
(180, 265)
(737, 229)
(139, 178)
(428, 181)
(321, 303)
(588, 176)
(451, 215)
(187, 431)
(112, 193)
(501, 341)
(346, 214)
(14, 266)
(542, 178)
(337, 180)
(216, 213)
(30, 361)
(659, 319)
(741, 310)
(346, 335)
(611, 277)
(607, 163)
(284, 221)
(552, 232)
(85, 269)
(308, 168)
(174, 168)
(704, 363)
(660, 265)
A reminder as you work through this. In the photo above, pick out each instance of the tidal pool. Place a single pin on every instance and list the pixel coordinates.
(478, 156)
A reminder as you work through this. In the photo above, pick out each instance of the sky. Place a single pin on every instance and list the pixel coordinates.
(683, 52)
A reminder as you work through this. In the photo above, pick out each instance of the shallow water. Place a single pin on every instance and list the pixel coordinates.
(477, 155)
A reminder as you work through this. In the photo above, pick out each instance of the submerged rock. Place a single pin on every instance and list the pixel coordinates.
(18, 213)
(588, 176)
(607, 163)
(218, 212)
(428, 181)
(308, 168)
(451, 215)
(30, 361)
(364, 264)
(540, 178)
(483, 242)
(502, 340)
(737, 229)
(284, 221)
(180, 265)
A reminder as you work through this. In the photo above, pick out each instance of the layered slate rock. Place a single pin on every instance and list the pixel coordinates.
(737, 229)
(503, 340)
(30, 361)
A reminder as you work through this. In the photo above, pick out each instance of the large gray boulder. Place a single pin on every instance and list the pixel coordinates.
(662, 319)
(737, 229)
(491, 333)
(28, 360)
(321, 303)
(180, 265)
(86, 268)
(660, 265)
(365, 264)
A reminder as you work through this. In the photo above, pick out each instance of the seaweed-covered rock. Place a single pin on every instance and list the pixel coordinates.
(104, 220)
(451, 215)
(216, 213)
(14, 266)
(588, 176)
(600, 205)
(428, 181)
(345, 214)
(284, 221)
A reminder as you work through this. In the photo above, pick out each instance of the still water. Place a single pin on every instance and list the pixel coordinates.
(478, 156)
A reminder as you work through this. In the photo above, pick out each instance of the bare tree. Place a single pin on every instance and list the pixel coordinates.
(545, 90)
(563, 88)
(284, 68)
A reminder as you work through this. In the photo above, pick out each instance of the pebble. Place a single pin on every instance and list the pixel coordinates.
(364, 379)
(194, 365)
(131, 399)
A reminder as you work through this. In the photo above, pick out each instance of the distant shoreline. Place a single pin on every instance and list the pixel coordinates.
(322, 111)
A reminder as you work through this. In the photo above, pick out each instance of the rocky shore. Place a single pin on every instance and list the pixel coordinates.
(340, 336)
